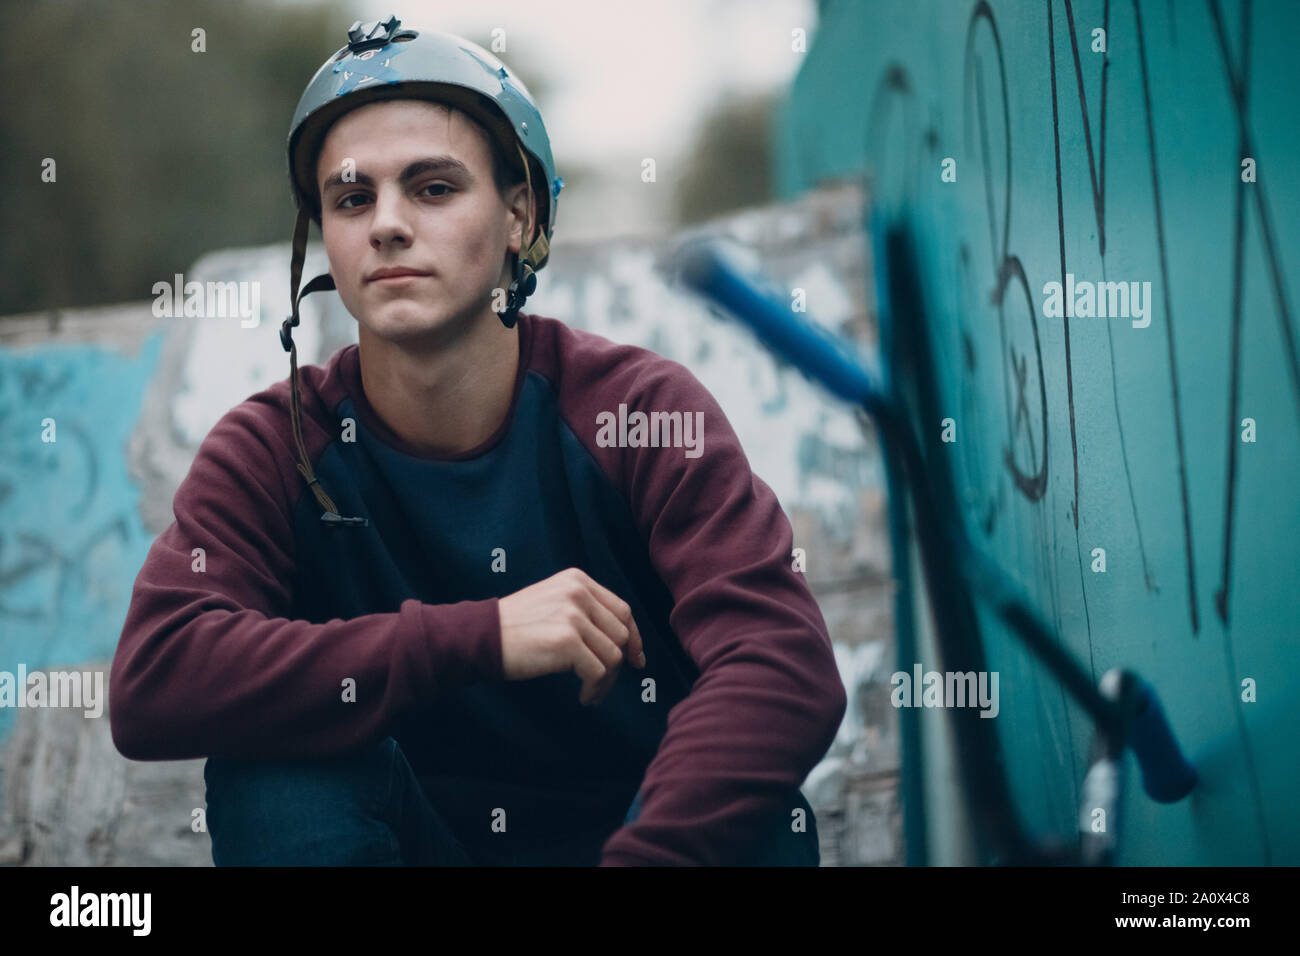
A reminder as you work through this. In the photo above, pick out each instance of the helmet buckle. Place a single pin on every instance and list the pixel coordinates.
(522, 285)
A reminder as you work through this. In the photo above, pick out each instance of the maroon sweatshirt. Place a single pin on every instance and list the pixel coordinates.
(248, 646)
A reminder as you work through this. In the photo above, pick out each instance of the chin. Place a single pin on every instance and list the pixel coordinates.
(410, 321)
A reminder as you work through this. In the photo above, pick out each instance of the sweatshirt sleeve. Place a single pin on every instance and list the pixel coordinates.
(769, 699)
(210, 661)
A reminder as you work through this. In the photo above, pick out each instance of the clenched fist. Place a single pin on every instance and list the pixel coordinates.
(568, 622)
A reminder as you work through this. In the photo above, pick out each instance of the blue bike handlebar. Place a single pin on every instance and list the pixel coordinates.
(715, 271)
(718, 273)
(1167, 775)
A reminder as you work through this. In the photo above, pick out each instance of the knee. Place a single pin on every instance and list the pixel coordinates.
(325, 811)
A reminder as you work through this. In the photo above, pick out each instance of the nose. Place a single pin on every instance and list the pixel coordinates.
(390, 224)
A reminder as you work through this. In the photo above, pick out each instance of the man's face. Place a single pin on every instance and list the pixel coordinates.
(423, 199)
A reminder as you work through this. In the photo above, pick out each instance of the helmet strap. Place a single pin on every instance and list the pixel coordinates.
(524, 273)
(330, 516)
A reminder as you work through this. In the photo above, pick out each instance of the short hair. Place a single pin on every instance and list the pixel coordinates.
(505, 173)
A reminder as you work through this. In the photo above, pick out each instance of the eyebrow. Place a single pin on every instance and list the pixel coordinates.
(430, 164)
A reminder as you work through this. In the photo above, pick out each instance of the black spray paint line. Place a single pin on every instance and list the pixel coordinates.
(1234, 388)
(974, 67)
(1238, 89)
(1031, 486)
(1123, 451)
(1169, 326)
(1097, 182)
(998, 255)
(1097, 177)
(1060, 229)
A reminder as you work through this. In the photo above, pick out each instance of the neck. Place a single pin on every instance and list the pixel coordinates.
(446, 397)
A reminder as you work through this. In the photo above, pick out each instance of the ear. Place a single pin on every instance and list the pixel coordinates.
(522, 205)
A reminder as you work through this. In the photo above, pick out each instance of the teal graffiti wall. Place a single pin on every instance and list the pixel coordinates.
(72, 539)
(1170, 158)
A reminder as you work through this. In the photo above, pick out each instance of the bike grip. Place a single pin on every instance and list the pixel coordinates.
(717, 273)
(1166, 774)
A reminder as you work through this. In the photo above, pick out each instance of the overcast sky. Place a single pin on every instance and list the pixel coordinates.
(625, 78)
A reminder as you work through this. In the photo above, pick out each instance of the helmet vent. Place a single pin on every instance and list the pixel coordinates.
(377, 33)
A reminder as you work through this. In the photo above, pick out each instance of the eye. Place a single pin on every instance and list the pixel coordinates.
(343, 203)
(439, 186)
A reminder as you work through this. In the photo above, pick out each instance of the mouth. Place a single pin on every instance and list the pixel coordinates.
(395, 276)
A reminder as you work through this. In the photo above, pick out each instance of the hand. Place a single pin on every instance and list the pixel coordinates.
(568, 622)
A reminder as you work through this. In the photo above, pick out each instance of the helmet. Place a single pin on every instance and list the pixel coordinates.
(384, 61)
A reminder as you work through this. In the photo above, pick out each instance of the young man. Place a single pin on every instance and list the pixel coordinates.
(507, 639)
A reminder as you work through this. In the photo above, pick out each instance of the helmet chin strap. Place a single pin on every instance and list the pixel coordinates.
(330, 516)
(522, 285)
(524, 280)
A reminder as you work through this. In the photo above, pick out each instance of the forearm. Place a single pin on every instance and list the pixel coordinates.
(237, 683)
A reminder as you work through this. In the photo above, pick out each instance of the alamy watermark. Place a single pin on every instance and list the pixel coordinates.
(1103, 300)
(83, 689)
(946, 689)
(654, 430)
(74, 908)
(209, 300)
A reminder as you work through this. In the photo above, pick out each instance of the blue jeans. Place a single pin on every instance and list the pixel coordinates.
(367, 808)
